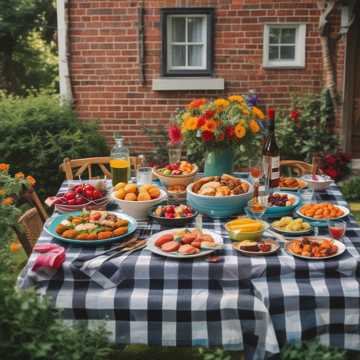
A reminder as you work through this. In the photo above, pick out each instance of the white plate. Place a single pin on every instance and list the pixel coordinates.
(304, 186)
(341, 248)
(151, 244)
(275, 246)
(292, 233)
(343, 208)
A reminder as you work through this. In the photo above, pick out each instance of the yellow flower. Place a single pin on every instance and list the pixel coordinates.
(2, 192)
(244, 109)
(190, 123)
(254, 126)
(7, 201)
(210, 125)
(19, 175)
(31, 180)
(221, 104)
(15, 247)
(258, 113)
(240, 131)
(236, 98)
(4, 167)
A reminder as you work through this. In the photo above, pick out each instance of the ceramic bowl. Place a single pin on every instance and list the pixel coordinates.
(279, 211)
(322, 182)
(237, 235)
(218, 207)
(138, 209)
(176, 179)
(171, 223)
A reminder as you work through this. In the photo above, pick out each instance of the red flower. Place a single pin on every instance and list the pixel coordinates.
(294, 115)
(174, 134)
(197, 103)
(331, 172)
(229, 132)
(221, 137)
(209, 114)
(201, 121)
(345, 157)
(330, 159)
(207, 136)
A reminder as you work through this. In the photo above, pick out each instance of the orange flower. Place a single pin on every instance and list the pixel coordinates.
(19, 175)
(7, 201)
(2, 191)
(240, 131)
(31, 180)
(210, 125)
(15, 247)
(254, 126)
(236, 98)
(4, 167)
(221, 104)
(197, 103)
(245, 110)
(258, 113)
(220, 137)
(190, 123)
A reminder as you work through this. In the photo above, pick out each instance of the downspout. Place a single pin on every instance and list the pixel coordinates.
(64, 73)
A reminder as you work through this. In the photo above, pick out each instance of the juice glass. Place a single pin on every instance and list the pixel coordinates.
(120, 170)
(337, 229)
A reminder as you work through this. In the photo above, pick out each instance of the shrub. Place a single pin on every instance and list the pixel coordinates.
(351, 189)
(30, 329)
(37, 133)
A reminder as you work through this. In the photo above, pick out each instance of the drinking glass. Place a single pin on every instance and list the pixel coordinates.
(256, 169)
(258, 205)
(174, 152)
(144, 175)
(337, 229)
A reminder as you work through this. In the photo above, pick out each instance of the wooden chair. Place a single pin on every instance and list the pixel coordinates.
(85, 165)
(31, 222)
(299, 167)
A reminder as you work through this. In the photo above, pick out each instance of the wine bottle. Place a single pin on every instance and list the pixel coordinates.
(271, 155)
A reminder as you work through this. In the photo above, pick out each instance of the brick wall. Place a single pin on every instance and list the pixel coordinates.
(104, 68)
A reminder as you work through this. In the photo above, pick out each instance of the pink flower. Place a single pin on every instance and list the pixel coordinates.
(174, 133)
(294, 115)
(330, 159)
(207, 136)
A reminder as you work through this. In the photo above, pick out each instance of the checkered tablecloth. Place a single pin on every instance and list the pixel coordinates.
(254, 304)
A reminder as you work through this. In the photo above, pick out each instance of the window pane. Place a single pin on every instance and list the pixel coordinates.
(195, 29)
(288, 36)
(287, 52)
(273, 52)
(195, 55)
(274, 36)
(178, 29)
(178, 55)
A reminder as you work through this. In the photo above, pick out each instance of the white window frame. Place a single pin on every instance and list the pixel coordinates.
(170, 43)
(300, 42)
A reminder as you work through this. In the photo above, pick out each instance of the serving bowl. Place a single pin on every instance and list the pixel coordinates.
(169, 180)
(99, 204)
(321, 183)
(238, 235)
(138, 209)
(279, 211)
(218, 206)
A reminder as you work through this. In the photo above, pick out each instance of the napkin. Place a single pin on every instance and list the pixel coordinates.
(52, 256)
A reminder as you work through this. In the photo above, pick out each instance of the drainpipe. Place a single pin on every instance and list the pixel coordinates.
(64, 74)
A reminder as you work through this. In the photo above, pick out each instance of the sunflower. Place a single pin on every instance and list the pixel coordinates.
(221, 104)
(236, 98)
(240, 131)
(254, 126)
(4, 167)
(258, 113)
(190, 123)
(210, 125)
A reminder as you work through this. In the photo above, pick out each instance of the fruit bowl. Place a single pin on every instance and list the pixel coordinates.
(321, 183)
(171, 177)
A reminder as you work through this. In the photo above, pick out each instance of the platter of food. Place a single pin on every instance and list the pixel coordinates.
(291, 226)
(314, 247)
(322, 211)
(185, 243)
(288, 183)
(266, 246)
(93, 227)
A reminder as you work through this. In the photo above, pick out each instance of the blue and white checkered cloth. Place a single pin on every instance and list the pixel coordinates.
(254, 304)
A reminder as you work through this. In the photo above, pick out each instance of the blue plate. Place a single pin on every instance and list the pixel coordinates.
(50, 229)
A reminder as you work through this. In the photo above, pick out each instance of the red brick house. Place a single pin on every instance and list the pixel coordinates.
(131, 62)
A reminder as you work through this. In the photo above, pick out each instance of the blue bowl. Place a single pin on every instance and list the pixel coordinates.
(218, 207)
(279, 211)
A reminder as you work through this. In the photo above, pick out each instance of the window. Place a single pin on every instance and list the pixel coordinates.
(284, 46)
(187, 41)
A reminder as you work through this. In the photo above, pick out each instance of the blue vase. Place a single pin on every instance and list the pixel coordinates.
(218, 162)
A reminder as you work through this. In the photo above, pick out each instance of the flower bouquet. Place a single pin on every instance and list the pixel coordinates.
(217, 128)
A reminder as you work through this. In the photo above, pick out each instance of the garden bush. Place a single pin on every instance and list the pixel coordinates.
(37, 133)
(351, 189)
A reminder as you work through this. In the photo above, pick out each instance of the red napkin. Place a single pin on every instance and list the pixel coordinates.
(52, 256)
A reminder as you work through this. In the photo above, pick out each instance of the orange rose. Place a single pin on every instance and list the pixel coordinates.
(210, 125)
(197, 103)
(4, 167)
(240, 131)
(31, 180)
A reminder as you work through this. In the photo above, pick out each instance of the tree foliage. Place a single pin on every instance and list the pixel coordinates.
(27, 50)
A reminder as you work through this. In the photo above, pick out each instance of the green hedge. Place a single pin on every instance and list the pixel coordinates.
(37, 133)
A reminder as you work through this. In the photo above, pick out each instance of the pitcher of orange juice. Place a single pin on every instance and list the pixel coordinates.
(120, 161)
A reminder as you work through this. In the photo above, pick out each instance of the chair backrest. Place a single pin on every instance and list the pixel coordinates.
(300, 167)
(77, 167)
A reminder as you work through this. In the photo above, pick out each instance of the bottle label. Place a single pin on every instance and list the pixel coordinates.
(271, 166)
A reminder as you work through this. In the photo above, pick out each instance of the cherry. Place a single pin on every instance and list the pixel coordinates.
(97, 194)
(70, 195)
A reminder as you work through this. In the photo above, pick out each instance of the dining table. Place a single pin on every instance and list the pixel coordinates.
(254, 304)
